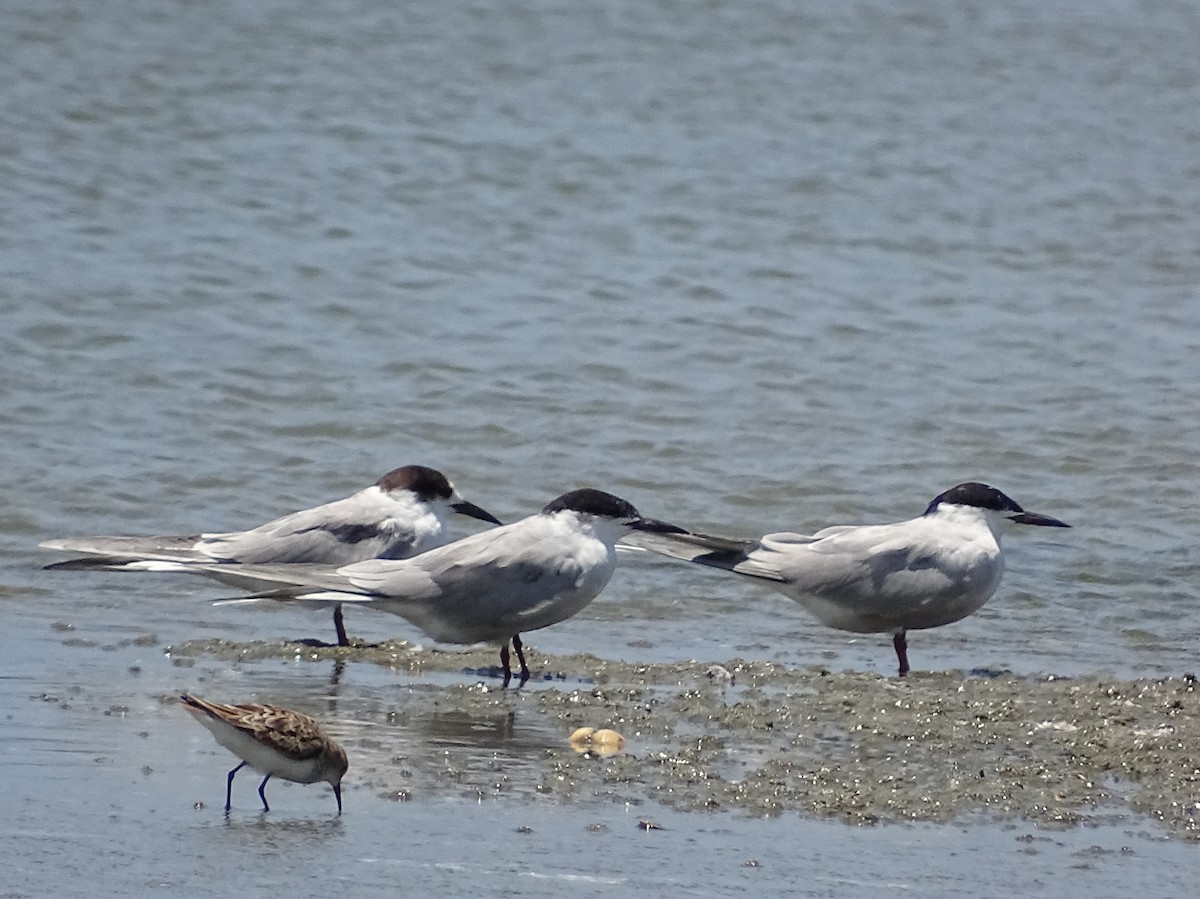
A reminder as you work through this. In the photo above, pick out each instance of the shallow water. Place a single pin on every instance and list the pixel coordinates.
(113, 790)
(751, 267)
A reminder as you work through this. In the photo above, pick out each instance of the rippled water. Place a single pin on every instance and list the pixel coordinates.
(751, 266)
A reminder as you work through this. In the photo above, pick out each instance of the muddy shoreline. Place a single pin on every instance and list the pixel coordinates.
(758, 738)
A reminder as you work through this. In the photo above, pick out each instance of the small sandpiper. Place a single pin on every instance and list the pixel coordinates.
(272, 741)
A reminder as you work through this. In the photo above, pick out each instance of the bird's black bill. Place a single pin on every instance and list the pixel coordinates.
(1044, 520)
(654, 526)
(472, 510)
(337, 794)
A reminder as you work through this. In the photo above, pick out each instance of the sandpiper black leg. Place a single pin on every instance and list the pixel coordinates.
(262, 795)
(900, 641)
(343, 640)
(229, 787)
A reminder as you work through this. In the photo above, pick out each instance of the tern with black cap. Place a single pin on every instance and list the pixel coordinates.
(489, 587)
(887, 578)
(402, 514)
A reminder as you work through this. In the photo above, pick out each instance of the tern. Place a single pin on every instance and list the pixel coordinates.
(401, 515)
(885, 578)
(489, 587)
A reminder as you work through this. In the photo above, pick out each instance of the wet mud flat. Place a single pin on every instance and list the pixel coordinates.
(757, 738)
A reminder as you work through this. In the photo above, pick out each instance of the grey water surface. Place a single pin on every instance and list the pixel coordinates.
(753, 266)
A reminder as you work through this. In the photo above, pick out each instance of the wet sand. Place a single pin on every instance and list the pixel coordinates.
(757, 738)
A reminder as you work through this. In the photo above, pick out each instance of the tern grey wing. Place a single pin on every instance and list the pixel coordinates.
(361, 526)
(703, 549)
(765, 559)
(284, 580)
(476, 564)
(490, 585)
(489, 603)
(174, 548)
(880, 578)
(448, 609)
